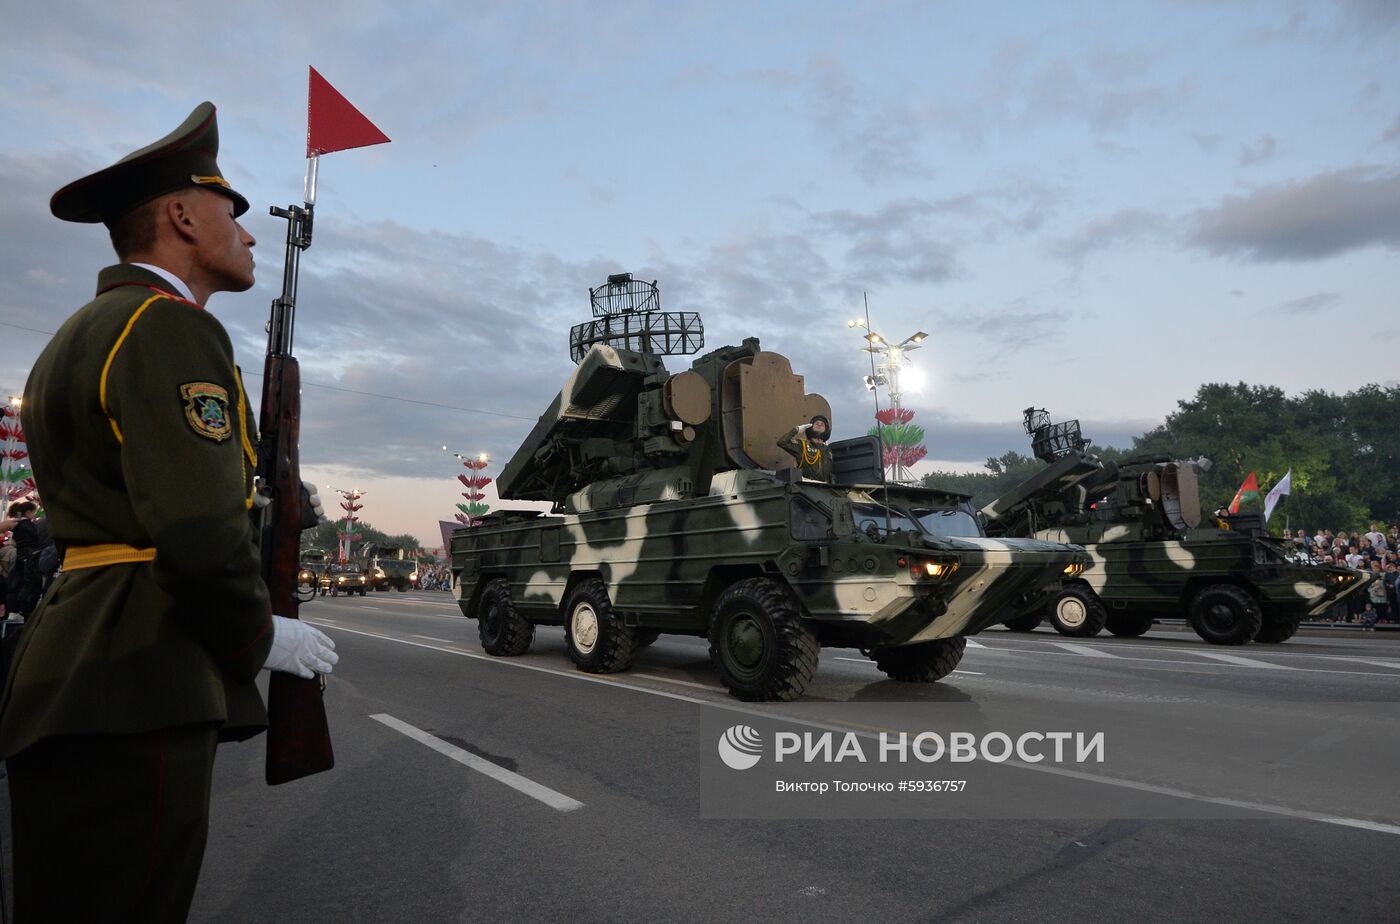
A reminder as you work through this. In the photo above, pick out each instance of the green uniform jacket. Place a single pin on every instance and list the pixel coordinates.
(137, 428)
(803, 449)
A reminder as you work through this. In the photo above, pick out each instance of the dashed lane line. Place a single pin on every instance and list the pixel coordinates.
(1045, 650)
(1244, 662)
(1393, 665)
(537, 791)
(1086, 651)
(434, 638)
(1265, 808)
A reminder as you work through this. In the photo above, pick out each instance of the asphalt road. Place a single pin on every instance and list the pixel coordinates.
(1248, 783)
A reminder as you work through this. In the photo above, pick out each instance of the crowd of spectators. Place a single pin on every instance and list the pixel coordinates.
(434, 577)
(1376, 550)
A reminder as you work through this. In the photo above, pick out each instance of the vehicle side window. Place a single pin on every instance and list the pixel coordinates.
(809, 521)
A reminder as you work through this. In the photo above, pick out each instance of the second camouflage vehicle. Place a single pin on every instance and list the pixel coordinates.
(1151, 555)
(675, 511)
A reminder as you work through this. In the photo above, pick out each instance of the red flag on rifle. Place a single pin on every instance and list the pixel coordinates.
(332, 124)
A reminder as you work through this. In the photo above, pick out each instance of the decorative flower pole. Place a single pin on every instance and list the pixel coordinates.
(902, 440)
(474, 481)
(350, 503)
(16, 479)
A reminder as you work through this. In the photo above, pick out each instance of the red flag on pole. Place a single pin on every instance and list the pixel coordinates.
(332, 124)
(1248, 491)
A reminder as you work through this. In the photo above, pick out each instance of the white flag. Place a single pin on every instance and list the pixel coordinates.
(1284, 486)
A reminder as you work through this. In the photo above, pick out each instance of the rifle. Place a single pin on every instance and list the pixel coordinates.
(298, 737)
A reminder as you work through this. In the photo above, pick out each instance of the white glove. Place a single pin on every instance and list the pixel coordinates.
(299, 648)
(803, 428)
(314, 500)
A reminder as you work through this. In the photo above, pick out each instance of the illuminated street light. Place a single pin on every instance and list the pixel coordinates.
(892, 358)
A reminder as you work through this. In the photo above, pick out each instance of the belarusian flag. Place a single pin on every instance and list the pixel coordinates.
(1248, 491)
(1284, 486)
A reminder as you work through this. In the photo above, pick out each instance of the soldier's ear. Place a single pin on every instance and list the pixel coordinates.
(179, 217)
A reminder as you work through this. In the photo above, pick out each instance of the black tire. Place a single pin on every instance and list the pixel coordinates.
(1275, 632)
(381, 587)
(1224, 614)
(597, 640)
(363, 591)
(402, 588)
(1077, 612)
(1027, 623)
(503, 631)
(645, 637)
(764, 649)
(1125, 625)
(923, 662)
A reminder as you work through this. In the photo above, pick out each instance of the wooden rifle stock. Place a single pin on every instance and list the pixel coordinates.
(298, 736)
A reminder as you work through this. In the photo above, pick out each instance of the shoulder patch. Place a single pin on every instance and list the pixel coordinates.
(206, 409)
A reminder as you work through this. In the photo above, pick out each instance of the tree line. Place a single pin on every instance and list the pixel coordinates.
(324, 537)
(1344, 451)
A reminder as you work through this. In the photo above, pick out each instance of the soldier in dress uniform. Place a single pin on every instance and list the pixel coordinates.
(807, 444)
(144, 653)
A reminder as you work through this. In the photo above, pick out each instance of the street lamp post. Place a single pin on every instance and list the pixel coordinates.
(891, 357)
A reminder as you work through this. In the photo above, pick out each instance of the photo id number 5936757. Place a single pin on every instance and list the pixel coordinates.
(932, 785)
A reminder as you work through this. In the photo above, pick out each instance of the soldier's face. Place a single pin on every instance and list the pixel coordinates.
(225, 248)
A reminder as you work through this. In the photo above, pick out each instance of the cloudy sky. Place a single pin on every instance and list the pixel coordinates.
(1089, 207)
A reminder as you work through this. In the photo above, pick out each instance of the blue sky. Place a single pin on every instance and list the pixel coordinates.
(1090, 207)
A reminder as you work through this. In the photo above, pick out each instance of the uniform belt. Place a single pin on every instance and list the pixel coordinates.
(99, 556)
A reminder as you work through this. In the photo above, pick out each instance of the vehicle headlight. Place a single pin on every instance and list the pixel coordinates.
(413, 576)
(378, 572)
(936, 570)
(340, 580)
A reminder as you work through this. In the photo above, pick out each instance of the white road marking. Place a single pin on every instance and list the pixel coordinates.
(367, 606)
(1244, 662)
(1393, 665)
(1268, 809)
(1086, 651)
(433, 638)
(975, 644)
(555, 800)
(685, 683)
(1045, 650)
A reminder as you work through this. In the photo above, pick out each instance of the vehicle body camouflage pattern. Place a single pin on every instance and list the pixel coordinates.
(1151, 555)
(674, 510)
(386, 566)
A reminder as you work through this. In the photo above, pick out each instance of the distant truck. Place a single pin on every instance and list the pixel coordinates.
(674, 511)
(1151, 555)
(386, 566)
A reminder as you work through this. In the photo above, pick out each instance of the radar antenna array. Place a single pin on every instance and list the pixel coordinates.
(627, 315)
(1051, 441)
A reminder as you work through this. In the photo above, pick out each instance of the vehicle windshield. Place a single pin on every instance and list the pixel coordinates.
(951, 523)
(872, 518)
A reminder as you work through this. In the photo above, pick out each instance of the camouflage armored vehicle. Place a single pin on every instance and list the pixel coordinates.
(1152, 557)
(345, 579)
(387, 566)
(314, 563)
(674, 511)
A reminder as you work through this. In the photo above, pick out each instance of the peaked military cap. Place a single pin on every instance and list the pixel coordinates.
(185, 157)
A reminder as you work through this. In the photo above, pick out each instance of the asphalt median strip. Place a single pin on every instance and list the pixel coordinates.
(1172, 792)
(537, 791)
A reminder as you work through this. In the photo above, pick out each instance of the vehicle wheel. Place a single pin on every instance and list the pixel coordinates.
(1077, 612)
(923, 662)
(363, 591)
(645, 636)
(763, 648)
(1124, 625)
(503, 631)
(1026, 623)
(1224, 614)
(597, 640)
(1273, 632)
(402, 588)
(380, 587)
